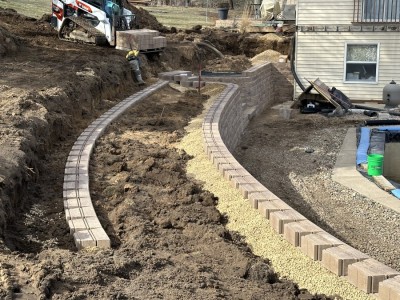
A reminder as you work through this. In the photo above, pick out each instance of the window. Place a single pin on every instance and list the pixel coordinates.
(381, 10)
(361, 62)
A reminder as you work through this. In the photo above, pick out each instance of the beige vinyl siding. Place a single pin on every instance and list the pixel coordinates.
(321, 55)
(288, 2)
(317, 12)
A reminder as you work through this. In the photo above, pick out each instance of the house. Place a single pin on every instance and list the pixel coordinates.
(353, 45)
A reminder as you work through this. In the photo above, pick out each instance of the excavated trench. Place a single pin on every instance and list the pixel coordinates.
(167, 235)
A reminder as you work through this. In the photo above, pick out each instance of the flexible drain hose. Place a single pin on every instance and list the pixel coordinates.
(292, 68)
(381, 122)
(212, 48)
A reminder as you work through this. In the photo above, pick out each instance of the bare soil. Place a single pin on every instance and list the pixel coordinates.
(168, 239)
(301, 176)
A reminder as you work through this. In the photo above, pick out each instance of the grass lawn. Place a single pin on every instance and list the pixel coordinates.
(183, 17)
(31, 8)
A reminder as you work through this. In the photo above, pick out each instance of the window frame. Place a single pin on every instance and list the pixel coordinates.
(379, 14)
(345, 62)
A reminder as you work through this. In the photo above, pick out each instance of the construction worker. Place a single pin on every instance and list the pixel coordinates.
(134, 62)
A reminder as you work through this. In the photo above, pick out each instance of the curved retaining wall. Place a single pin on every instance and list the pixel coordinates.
(222, 127)
(79, 212)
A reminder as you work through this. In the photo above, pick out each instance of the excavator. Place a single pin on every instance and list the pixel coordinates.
(91, 21)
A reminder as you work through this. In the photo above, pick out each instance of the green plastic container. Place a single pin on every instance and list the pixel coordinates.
(375, 164)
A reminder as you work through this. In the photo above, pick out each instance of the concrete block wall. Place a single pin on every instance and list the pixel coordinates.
(79, 211)
(260, 86)
(222, 127)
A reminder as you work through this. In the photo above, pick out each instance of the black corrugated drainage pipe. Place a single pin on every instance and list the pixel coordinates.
(292, 68)
(381, 122)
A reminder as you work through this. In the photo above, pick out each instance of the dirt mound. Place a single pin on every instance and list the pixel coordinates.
(268, 55)
(229, 63)
(144, 19)
(254, 44)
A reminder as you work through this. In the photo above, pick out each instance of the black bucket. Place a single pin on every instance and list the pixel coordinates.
(223, 13)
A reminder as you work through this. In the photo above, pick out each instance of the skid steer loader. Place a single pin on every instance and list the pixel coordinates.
(91, 21)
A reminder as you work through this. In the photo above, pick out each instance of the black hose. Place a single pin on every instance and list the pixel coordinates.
(381, 122)
(367, 107)
(371, 113)
(292, 55)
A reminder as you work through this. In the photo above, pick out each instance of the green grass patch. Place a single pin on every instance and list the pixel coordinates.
(183, 17)
(31, 8)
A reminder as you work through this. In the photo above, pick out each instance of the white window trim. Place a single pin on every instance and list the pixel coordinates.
(345, 62)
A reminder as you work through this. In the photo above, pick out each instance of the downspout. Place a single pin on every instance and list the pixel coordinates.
(292, 68)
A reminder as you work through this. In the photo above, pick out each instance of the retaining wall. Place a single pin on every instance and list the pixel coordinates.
(223, 125)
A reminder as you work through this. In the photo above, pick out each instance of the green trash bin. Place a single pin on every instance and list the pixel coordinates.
(375, 164)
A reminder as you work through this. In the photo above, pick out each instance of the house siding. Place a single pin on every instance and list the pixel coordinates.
(317, 12)
(321, 54)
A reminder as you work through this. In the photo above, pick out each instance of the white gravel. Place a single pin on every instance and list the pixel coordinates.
(287, 260)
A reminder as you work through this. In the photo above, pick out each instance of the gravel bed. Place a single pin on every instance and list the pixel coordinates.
(301, 176)
(287, 260)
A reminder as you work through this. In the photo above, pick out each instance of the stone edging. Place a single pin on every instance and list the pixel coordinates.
(79, 212)
(221, 131)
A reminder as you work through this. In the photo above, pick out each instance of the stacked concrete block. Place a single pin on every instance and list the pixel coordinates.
(260, 197)
(294, 231)
(337, 259)
(248, 185)
(278, 219)
(141, 39)
(79, 211)
(222, 128)
(267, 207)
(389, 289)
(184, 78)
(313, 244)
(174, 76)
(367, 274)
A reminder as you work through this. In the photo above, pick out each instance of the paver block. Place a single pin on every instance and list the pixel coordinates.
(337, 259)
(224, 167)
(77, 202)
(71, 185)
(294, 231)
(220, 157)
(84, 239)
(80, 212)
(102, 239)
(248, 188)
(239, 172)
(83, 224)
(313, 244)
(389, 289)
(255, 198)
(367, 274)
(266, 207)
(279, 218)
(77, 193)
